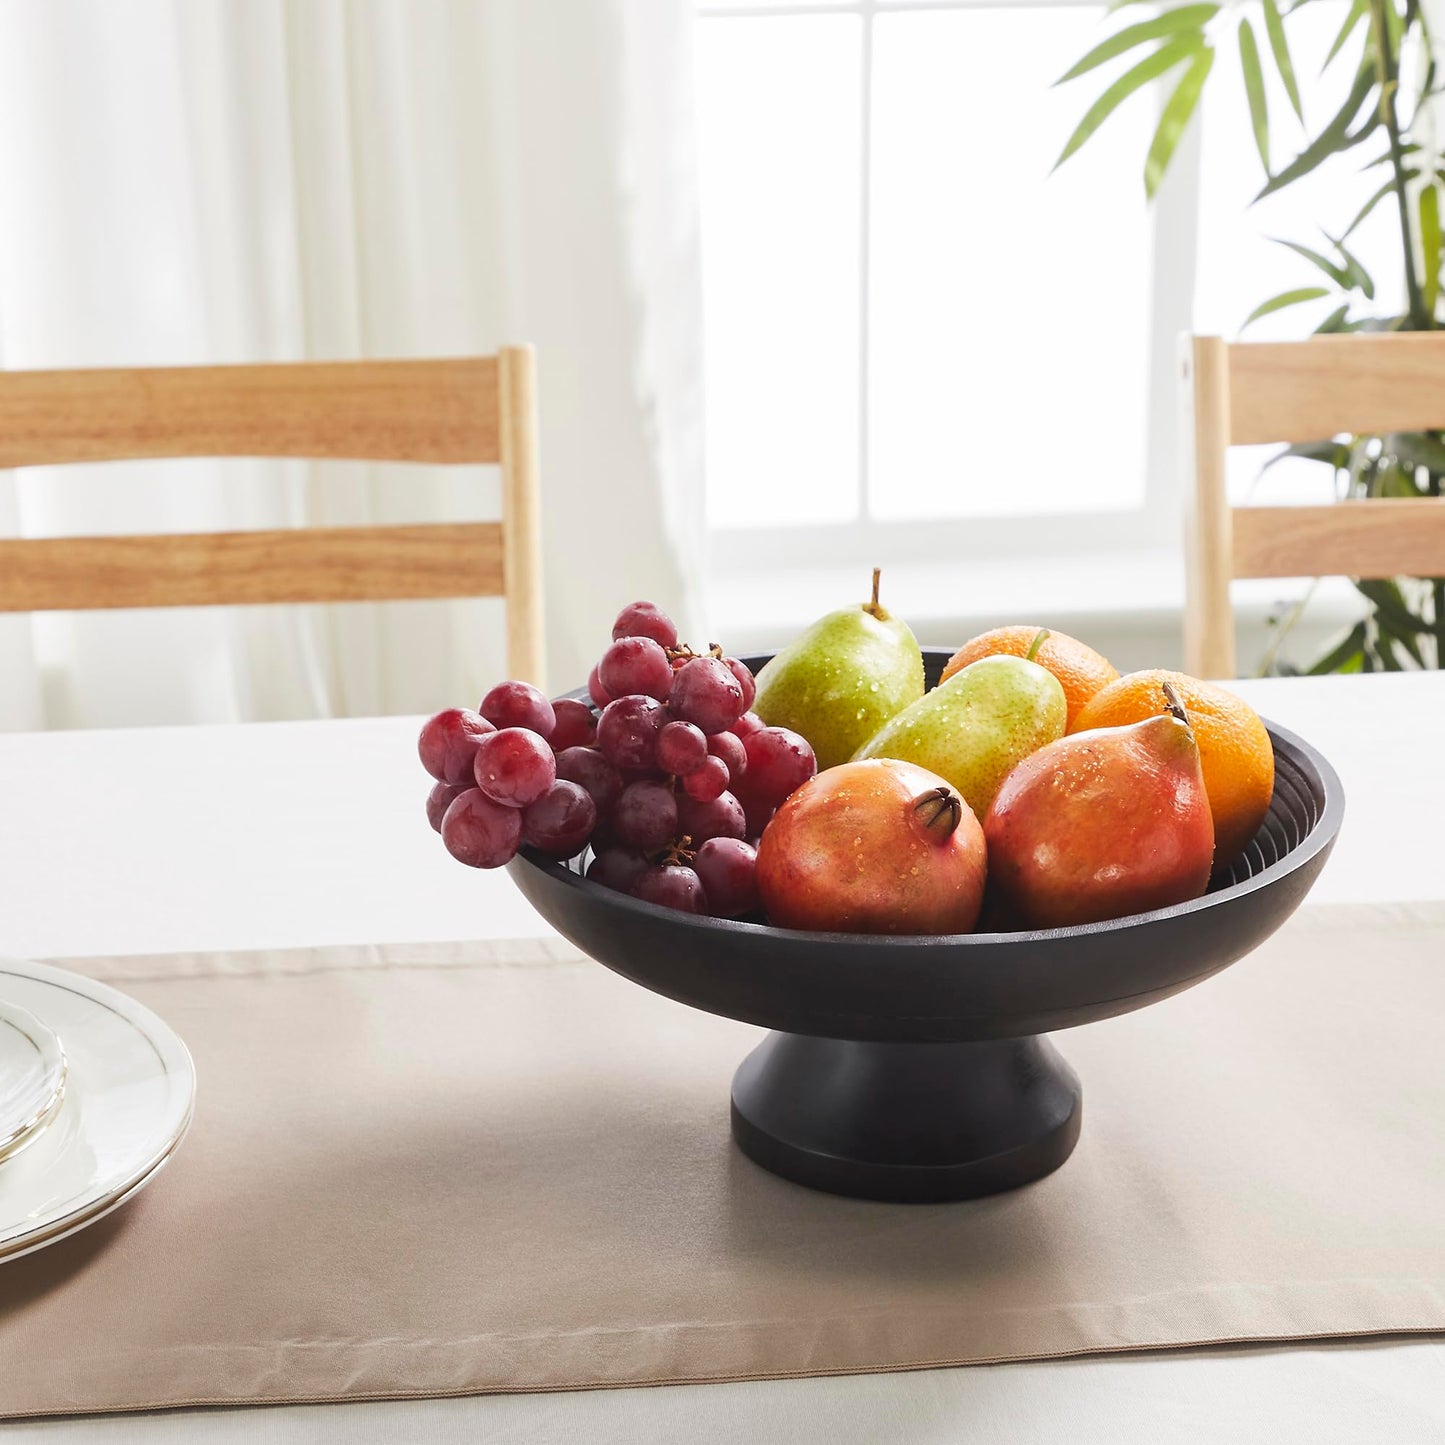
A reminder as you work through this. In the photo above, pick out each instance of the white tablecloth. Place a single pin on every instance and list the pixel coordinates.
(292, 834)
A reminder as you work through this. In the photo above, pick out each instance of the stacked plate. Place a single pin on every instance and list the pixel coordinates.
(96, 1094)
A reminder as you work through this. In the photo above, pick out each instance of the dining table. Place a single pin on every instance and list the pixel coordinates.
(300, 834)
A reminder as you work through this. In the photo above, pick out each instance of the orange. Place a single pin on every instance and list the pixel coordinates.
(1235, 752)
(1079, 669)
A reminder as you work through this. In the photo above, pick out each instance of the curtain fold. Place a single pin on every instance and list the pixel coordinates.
(194, 181)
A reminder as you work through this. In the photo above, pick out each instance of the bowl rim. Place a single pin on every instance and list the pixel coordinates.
(1319, 837)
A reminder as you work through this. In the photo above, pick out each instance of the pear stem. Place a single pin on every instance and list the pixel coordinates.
(872, 606)
(1176, 704)
(1040, 637)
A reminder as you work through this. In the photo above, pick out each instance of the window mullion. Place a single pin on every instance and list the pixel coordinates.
(865, 206)
(1175, 267)
(854, 7)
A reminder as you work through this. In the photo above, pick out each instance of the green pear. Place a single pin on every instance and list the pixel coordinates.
(974, 729)
(842, 679)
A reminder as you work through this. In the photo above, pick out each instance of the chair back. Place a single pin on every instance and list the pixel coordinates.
(1245, 393)
(465, 410)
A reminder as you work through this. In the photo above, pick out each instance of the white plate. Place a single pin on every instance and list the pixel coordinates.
(129, 1091)
(32, 1078)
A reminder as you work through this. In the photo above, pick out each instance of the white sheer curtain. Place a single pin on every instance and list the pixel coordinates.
(186, 181)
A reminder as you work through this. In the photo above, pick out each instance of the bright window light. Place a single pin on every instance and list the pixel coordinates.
(998, 333)
(779, 104)
(1008, 337)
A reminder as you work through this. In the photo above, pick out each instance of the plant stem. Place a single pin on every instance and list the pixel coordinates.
(1437, 588)
(1283, 628)
(1389, 85)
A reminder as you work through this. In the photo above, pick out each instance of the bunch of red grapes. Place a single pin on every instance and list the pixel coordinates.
(670, 778)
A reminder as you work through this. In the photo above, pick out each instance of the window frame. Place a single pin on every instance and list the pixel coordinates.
(866, 540)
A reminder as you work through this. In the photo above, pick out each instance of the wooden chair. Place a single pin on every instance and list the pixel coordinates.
(476, 409)
(1301, 391)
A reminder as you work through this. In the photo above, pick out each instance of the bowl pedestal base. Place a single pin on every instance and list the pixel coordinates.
(910, 1123)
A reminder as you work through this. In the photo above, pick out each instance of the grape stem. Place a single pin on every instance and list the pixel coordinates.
(682, 650)
(676, 853)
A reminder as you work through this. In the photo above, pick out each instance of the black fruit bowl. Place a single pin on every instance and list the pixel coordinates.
(912, 1068)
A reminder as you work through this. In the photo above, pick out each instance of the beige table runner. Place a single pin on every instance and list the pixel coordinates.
(426, 1171)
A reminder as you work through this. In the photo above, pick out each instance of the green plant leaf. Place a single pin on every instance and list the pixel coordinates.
(1393, 613)
(1397, 482)
(1285, 298)
(1335, 137)
(1335, 454)
(1387, 189)
(1254, 91)
(1274, 28)
(1185, 18)
(1337, 274)
(1430, 247)
(1337, 659)
(1355, 268)
(1383, 651)
(1394, 25)
(1417, 449)
(1357, 12)
(1174, 117)
(1334, 322)
(1163, 60)
(1395, 622)
(1381, 323)
(1387, 156)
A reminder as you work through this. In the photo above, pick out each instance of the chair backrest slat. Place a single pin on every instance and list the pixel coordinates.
(413, 411)
(295, 564)
(1302, 391)
(1382, 538)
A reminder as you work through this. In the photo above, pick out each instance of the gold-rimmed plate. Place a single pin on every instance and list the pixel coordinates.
(128, 1097)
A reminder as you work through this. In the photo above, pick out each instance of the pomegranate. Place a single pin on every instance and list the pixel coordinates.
(873, 847)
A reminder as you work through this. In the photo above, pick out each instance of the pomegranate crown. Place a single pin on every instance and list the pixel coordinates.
(940, 811)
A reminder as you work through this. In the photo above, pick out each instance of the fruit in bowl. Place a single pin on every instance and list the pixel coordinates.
(1234, 747)
(1081, 671)
(840, 681)
(665, 774)
(908, 1058)
(974, 729)
(1031, 777)
(1102, 824)
(873, 847)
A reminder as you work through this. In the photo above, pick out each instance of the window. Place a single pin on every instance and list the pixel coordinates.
(917, 342)
(920, 344)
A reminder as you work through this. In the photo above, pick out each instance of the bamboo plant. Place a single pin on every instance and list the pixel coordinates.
(1388, 121)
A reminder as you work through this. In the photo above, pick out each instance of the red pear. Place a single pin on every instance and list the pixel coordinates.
(1101, 824)
(873, 847)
